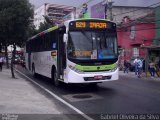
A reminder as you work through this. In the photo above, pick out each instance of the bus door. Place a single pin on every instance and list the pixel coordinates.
(61, 60)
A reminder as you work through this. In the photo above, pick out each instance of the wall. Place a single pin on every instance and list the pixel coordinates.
(157, 38)
(38, 16)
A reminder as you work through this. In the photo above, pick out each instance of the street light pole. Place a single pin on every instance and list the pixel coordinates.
(105, 9)
(110, 5)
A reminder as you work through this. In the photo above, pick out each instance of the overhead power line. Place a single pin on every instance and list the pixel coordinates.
(132, 22)
(136, 9)
(84, 3)
(139, 29)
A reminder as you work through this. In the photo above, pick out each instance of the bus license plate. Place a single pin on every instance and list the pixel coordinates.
(98, 77)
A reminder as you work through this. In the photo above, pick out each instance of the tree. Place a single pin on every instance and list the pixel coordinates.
(47, 24)
(44, 26)
(15, 20)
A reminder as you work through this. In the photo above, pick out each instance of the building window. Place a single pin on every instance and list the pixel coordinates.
(133, 33)
(122, 52)
(135, 52)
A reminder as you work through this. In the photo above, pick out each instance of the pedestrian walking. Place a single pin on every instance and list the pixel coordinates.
(152, 68)
(1, 63)
(135, 62)
(126, 66)
(138, 67)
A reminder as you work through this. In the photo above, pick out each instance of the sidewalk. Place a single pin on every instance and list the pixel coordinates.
(21, 100)
(19, 96)
(143, 76)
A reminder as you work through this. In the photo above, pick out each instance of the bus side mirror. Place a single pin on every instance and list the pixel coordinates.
(65, 38)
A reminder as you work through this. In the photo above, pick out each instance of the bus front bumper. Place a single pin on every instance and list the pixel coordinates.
(90, 77)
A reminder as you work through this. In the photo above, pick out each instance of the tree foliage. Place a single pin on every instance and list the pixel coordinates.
(44, 26)
(15, 19)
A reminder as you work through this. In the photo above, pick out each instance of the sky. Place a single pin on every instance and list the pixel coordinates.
(77, 3)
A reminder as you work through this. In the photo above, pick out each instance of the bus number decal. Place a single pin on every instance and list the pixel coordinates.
(80, 24)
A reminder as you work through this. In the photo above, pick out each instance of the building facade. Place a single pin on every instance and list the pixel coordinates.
(133, 36)
(56, 13)
(38, 15)
(96, 9)
(157, 21)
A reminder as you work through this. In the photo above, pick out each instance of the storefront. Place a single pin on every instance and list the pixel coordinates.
(152, 54)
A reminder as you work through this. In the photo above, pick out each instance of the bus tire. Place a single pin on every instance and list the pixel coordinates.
(54, 77)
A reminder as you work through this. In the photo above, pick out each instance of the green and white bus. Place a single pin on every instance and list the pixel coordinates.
(79, 51)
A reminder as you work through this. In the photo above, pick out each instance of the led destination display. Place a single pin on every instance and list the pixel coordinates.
(90, 25)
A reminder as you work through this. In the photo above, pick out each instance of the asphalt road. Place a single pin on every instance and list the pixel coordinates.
(128, 96)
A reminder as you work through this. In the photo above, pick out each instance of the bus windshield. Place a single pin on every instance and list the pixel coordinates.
(92, 45)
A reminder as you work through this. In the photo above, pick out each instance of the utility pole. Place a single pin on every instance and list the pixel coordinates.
(108, 9)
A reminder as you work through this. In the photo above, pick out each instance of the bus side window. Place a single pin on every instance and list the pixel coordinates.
(38, 46)
(35, 44)
(44, 42)
(53, 40)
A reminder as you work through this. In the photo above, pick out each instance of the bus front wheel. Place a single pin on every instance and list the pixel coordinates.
(55, 78)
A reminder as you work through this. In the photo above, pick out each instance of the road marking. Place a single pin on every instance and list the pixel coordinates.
(58, 98)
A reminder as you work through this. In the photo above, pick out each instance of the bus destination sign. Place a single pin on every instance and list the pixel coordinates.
(91, 25)
(88, 25)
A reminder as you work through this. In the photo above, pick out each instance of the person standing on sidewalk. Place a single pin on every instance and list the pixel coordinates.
(1, 63)
(152, 68)
(139, 66)
(136, 66)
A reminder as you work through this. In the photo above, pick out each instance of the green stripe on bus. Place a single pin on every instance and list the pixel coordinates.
(95, 68)
(53, 28)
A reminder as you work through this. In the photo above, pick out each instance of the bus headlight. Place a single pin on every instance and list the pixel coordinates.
(114, 69)
(76, 70)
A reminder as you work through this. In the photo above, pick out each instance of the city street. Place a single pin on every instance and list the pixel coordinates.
(128, 95)
(76, 60)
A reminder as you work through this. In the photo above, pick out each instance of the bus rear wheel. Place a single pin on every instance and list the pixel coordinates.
(55, 78)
